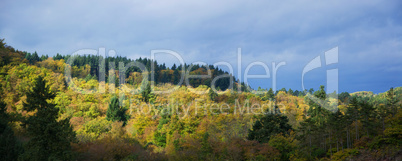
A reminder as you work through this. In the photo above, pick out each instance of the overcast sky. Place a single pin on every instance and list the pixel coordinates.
(368, 35)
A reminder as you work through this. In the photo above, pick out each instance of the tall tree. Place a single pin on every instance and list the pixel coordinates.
(317, 105)
(9, 146)
(367, 117)
(115, 112)
(352, 114)
(269, 95)
(147, 95)
(49, 139)
(391, 101)
(176, 76)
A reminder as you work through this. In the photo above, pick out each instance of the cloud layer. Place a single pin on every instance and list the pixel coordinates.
(368, 34)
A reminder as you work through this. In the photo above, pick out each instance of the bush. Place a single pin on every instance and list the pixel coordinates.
(345, 154)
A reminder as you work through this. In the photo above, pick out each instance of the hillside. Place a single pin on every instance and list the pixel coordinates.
(112, 120)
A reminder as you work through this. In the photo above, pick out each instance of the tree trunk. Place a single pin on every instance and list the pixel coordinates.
(330, 144)
(342, 145)
(337, 145)
(347, 139)
(357, 134)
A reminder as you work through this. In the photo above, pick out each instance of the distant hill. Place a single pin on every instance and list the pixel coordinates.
(363, 94)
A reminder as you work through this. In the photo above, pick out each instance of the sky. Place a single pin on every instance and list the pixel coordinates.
(366, 34)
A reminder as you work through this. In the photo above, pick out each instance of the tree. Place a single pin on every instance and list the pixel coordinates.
(115, 112)
(49, 139)
(290, 91)
(391, 101)
(343, 97)
(367, 116)
(269, 95)
(174, 67)
(35, 57)
(176, 76)
(317, 105)
(270, 124)
(352, 114)
(160, 134)
(286, 144)
(9, 147)
(147, 95)
(212, 94)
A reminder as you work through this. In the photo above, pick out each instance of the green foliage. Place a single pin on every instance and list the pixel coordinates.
(391, 101)
(50, 139)
(344, 97)
(10, 146)
(270, 124)
(212, 95)
(147, 95)
(286, 144)
(317, 105)
(345, 154)
(269, 95)
(206, 148)
(160, 134)
(115, 112)
(95, 128)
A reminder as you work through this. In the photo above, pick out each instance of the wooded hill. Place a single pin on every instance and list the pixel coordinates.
(43, 118)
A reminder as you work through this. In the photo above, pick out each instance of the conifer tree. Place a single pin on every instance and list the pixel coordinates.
(115, 112)
(391, 101)
(212, 94)
(147, 95)
(49, 139)
(9, 146)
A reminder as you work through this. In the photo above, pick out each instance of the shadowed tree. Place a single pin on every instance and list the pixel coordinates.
(270, 124)
(49, 139)
(9, 147)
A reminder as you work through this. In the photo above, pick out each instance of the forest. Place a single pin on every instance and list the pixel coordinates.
(44, 116)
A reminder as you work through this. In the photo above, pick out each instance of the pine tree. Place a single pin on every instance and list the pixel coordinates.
(290, 91)
(176, 76)
(147, 95)
(9, 146)
(367, 116)
(174, 67)
(352, 114)
(317, 105)
(49, 139)
(391, 101)
(115, 112)
(269, 95)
